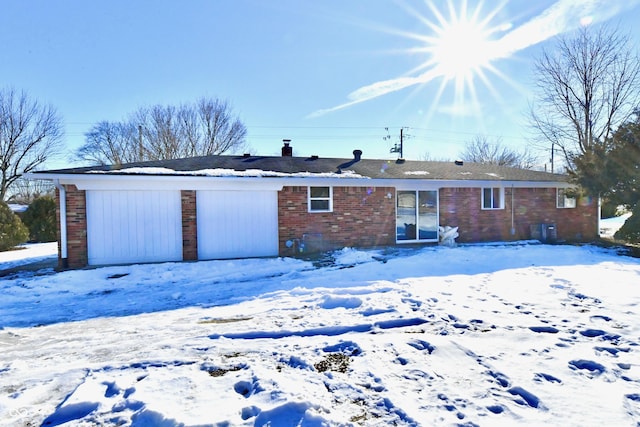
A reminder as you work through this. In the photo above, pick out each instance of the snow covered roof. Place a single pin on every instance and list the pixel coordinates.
(276, 166)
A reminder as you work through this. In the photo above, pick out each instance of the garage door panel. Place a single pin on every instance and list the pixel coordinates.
(133, 226)
(237, 224)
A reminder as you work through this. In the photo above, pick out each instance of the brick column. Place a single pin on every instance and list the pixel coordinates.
(77, 255)
(189, 225)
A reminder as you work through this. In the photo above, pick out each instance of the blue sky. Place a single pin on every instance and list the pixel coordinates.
(330, 75)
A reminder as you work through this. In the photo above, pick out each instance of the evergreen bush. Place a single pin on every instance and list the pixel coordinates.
(630, 230)
(40, 218)
(12, 230)
(608, 209)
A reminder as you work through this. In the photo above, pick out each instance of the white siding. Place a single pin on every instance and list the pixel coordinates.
(133, 226)
(237, 224)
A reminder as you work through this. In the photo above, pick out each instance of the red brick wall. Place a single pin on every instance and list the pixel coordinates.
(461, 207)
(189, 225)
(76, 227)
(362, 217)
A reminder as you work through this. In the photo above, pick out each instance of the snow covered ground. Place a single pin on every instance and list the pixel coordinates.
(520, 334)
(609, 226)
(27, 254)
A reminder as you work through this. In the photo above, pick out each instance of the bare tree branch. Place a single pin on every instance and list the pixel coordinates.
(25, 191)
(203, 128)
(586, 87)
(29, 134)
(481, 150)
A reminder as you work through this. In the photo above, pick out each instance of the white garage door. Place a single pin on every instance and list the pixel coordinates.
(133, 226)
(237, 224)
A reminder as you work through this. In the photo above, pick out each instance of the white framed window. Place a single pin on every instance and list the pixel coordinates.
(320, 199)
(493, 198)
(564, 201)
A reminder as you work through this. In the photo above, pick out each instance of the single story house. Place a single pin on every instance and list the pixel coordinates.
(218, 207)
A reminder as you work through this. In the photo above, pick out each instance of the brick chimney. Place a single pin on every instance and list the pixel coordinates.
(287, 150)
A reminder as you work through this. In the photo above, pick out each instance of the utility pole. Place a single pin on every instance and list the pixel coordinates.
(553, 154)
(397, 148)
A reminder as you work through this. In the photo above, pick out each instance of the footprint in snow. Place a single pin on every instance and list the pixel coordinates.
(594, 368)
(524, 397)
(247, 388)
(422, 346)
(540, 377)
(632, 405)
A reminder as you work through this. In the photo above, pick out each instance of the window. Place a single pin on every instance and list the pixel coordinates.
(493, 198)
(320, 199)
(564, 200)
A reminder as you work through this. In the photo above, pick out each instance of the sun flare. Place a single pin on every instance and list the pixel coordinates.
(461, 46)
(460, 49)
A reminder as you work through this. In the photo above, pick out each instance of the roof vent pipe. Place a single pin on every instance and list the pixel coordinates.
(287, 150)
(357, 154)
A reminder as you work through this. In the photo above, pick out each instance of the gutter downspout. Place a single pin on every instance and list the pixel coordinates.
(599, 215)
(63, 223)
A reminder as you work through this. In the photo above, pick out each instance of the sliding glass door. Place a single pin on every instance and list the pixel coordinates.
(417, 216)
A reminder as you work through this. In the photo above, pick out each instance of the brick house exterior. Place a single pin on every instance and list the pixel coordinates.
(530, 206)
(361, 217)
(264, 206)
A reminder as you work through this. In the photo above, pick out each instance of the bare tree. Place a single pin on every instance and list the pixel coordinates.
(218, 131)
(110, 142)
(481, 150)
(24, 191)
(29, 134)
(586, 87)
(161, 132)
(206, 127)
(428, 157)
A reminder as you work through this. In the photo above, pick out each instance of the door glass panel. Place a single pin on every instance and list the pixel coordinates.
(406, 215)
(496, 199)
(428, 215)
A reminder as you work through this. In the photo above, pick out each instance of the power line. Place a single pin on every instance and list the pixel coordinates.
(329, 133)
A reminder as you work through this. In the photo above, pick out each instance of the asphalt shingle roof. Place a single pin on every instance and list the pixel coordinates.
(371, 168)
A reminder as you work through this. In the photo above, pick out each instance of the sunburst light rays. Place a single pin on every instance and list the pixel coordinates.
(463, 46)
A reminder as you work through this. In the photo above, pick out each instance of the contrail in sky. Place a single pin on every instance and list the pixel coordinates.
(563, 16)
